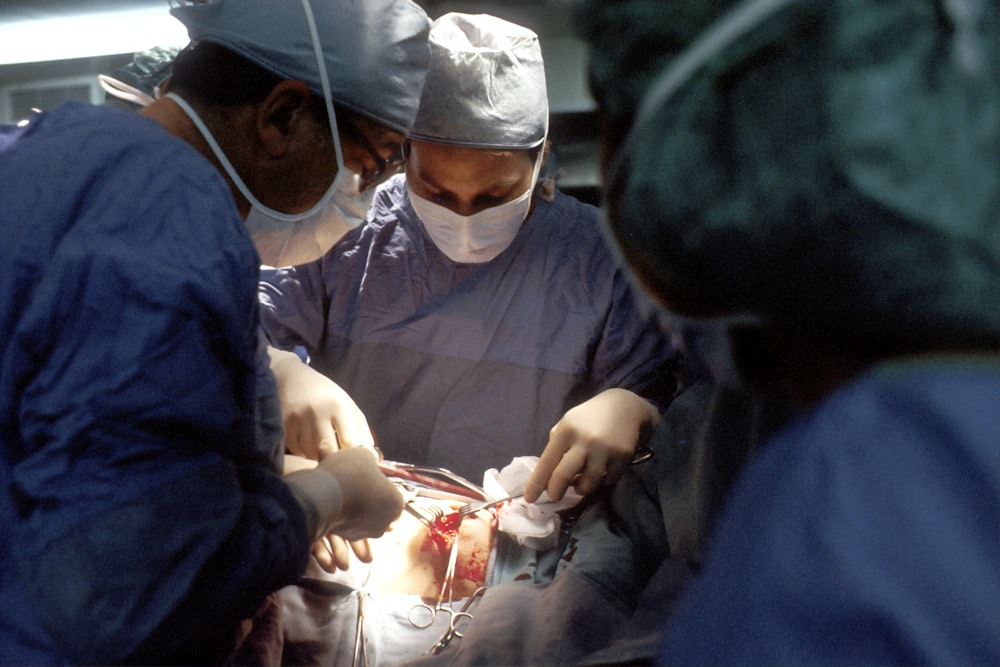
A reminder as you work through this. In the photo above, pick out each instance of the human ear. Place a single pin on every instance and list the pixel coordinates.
(545, 156)
(280, 114)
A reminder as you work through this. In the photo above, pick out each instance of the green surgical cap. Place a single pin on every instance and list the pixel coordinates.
(829, 165)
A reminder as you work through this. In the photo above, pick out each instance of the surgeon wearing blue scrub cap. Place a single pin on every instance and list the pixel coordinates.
(472, 318)
(369, 65)
(143, 516)
(363, 66)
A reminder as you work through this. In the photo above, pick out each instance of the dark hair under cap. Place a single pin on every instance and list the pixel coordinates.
(217, 76)
(834, 169)
(214, 75)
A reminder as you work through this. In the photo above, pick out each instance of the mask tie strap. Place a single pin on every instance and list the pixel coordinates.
(324, 82)
(123, 91)
(231, 171)
(221, 155)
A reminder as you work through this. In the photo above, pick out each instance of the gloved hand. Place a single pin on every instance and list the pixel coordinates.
(332, 552)
(319, 416)
(346, 495)
(592, 444)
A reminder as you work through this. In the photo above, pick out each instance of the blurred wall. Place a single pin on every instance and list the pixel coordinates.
(45, 84)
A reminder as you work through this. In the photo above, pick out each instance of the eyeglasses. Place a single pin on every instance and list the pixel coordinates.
(385, 168)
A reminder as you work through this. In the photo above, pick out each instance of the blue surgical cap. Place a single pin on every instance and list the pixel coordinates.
(375, 51)
(486, 85)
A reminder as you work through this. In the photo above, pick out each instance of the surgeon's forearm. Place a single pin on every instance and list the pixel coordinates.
(320, 496)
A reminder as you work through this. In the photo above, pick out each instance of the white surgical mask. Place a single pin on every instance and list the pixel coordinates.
(347, 195)
(480, 237)
(288, 231)
(283, 243)
(472, 239)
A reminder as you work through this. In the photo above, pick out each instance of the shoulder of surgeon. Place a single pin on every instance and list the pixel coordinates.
(569, 220)
(132, 137)
(114, 152)
(122, 145)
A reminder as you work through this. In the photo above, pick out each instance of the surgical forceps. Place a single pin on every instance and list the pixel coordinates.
(360, 633)
(452, 632)
(437, 478)
(423, 615)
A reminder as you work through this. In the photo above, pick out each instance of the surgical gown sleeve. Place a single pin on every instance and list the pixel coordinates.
(295, 305)
(628, 354)
(140, 519)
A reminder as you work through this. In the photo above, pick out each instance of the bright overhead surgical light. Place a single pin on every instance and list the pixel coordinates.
(88, 35)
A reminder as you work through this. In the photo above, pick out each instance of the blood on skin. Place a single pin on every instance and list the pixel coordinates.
(412, 559)
(473, 556)
(444, 532)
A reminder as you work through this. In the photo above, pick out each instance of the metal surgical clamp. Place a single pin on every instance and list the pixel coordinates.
(422, 615)
(452, 632)
(360, 633)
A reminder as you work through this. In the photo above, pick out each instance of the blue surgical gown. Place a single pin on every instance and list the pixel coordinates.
(866, 532)
(139, 515)
(468, 365)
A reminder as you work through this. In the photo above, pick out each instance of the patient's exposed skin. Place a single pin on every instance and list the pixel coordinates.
(410, 559)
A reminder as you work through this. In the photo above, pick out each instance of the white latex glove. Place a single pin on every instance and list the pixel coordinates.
(319, 416)
(592, 444)
(332, 551)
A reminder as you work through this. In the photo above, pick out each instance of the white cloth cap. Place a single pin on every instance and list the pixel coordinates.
(376, 51)
(485, 87)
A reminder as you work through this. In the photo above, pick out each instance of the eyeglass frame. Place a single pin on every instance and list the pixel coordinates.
(384, 168)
